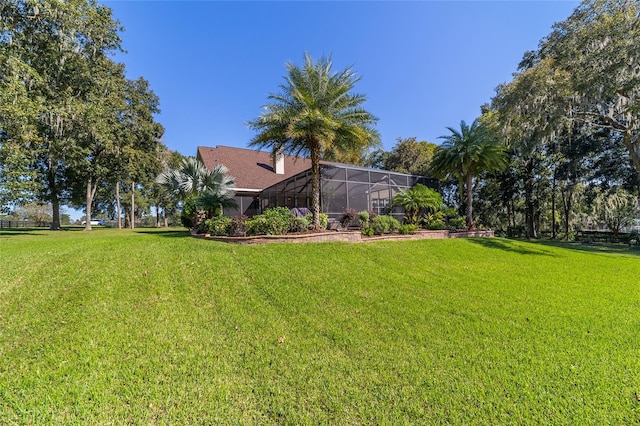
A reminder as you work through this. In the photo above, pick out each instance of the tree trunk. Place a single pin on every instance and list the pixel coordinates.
(132, 221)
(118, 206)
(529, 203)
(157, 217)
(55, 203)
(91, 192)
(315, 186)
(553, 207)
(469, 208)
(567, 204)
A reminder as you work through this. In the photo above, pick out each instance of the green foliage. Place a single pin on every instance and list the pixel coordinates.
(406, 229)
(616, 210)
(367, 231)
(410, 156)
(384, 224)
(323, 217)
(465, 154)
(217, 225)
(274, 221)
(316, 114)
(435, 221)
(456, 223)
(363, 219)
(189, 214)
(299, 224)
(238, 226)
(417, 200)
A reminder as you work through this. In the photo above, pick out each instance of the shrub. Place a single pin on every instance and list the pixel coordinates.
(457, 222)
(299, 224)
(416, 200)
(218, 225)
(324, 219)
(363, 219)
(409, 228)
(347, 217)
(237, 226)
(274, 221)
(434, 221)
(384, 224)
(368, 231)
(188, 215)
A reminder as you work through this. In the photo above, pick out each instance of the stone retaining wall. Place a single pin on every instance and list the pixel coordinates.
(350, 237)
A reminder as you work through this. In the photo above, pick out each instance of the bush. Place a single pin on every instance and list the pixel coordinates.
(347, 217)
(367, 231)
(299, 224)
(435, 221)
(188, 215)
(324, 219)
(384, 224)
(406, 229)
(363, 219)
(218, 225)
(274, 221)
(237, 228)
(457, 222)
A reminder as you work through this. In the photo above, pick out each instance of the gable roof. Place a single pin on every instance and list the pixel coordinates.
(251, 169)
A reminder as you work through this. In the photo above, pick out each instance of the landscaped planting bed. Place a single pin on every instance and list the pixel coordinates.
(156, 327)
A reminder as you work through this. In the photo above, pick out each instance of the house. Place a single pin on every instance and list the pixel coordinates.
(264, 180)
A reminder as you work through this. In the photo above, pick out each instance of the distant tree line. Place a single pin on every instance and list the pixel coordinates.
(569, 124)
(73, 129)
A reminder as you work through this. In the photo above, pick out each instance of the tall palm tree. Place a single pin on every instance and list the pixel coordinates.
(464, 155)
(314, 114)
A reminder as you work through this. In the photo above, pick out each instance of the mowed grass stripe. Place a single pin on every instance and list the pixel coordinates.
(113, 327)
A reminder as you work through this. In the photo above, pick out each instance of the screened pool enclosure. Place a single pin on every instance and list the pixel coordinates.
(343, 187)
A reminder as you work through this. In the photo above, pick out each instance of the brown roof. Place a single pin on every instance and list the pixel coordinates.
(252, 169)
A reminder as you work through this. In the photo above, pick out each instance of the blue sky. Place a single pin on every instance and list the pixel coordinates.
(424, 65)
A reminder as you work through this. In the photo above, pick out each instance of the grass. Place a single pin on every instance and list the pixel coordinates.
(152, 327)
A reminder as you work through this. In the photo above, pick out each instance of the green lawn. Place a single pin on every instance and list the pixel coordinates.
(116, 327)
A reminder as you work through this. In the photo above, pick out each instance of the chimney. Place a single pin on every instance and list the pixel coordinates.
(278, 162)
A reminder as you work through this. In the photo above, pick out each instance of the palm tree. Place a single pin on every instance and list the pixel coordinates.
(416, 200)
(193, 178)
(315, 114)
(210, 190)
(465, 154)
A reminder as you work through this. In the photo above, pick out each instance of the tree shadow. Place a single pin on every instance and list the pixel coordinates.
(511, 246)
(169, 233)
(14, 232)
(7, 233)
(598, 248)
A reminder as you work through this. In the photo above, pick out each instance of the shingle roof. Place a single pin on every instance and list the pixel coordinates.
(251, 169)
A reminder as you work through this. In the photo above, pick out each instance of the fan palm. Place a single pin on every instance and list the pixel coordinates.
(465, 154)
(211, 190)
(314, 114)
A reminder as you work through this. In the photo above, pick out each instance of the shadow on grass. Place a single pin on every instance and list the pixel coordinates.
(166, 233)
(6, 233)
(14, 232)
(592, 247)
(510, 246)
